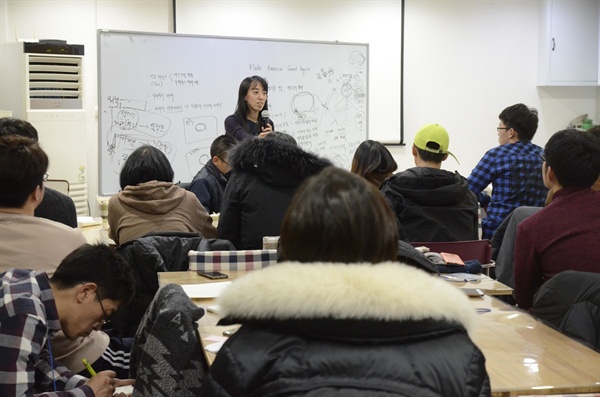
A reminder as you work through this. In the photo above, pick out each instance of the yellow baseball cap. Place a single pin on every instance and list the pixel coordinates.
(433, 138)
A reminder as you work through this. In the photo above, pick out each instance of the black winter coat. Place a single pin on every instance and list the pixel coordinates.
(324, 329)
(432, 205)
(266, 174)
(208, 185)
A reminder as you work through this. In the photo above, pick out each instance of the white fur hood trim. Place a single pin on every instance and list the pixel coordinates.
(387, 291)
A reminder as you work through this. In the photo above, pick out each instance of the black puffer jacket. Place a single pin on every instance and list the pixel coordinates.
(432, 205)
(326, 329)
(266, 174)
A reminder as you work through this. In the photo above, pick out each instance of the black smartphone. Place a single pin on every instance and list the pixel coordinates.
(212, 275)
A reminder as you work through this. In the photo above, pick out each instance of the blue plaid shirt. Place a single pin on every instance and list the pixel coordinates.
(27, 316)
(515, 172)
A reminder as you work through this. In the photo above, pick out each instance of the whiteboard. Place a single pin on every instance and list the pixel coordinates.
(174, 92)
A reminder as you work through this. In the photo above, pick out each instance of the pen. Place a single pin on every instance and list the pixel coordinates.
(89, 367)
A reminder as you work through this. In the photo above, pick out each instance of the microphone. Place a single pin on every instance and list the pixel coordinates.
(265, 117)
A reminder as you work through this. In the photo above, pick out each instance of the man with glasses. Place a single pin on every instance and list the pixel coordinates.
(55, 205)
(86, 288)
(513, 169)
(40, 244)
(210, 182)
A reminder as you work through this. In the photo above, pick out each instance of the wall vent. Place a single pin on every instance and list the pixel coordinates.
(54, 82)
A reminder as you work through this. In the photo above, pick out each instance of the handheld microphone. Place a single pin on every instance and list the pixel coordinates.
(265, 117)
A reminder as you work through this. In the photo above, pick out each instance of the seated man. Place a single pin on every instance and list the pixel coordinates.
(432, 204)
(87, 287)
(513, 168)
(209, 183)
(563, 235)
(40, 244)
(55, 206)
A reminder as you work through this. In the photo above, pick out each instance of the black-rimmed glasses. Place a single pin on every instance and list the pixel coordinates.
(502, 128)
(105, 319)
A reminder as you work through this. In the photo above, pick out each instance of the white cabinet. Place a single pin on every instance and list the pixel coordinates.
(569, 43)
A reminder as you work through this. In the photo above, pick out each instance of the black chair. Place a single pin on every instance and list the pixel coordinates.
(150, 254)
(570, 302)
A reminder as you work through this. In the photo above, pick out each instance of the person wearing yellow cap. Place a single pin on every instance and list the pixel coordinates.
(432, 204)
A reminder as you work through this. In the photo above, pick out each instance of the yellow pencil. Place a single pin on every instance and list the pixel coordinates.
(89, 367)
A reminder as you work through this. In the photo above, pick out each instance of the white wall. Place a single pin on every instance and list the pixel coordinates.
(464, 60)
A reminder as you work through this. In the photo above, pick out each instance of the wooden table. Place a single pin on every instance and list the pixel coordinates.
(96, 233)
(523, 356)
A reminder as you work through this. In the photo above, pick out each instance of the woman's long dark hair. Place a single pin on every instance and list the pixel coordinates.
(241, 109)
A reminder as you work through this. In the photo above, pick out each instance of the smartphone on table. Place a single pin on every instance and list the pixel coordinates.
(212, 275)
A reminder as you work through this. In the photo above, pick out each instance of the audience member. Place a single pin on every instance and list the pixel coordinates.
(374, 162)
(40, 245)
(503, 241)
(563, 235)
(88, 285)
(247, 121)
(209, 183)
(432, 204)
(341, 317)
(266, 174)
(55, 205)
(36, 243)
(513, 169)
(150, 202)
(594, 131)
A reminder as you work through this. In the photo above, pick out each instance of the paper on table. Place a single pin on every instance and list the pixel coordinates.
(461, 277)
(214, 347)
(205, 290)
(124, 389)
(83, 221)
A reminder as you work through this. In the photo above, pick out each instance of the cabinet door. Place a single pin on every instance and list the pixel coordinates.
(574, 42)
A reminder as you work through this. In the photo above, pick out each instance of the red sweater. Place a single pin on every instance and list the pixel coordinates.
(563, 236)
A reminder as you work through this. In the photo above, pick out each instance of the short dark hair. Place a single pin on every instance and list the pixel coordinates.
(431, 157)
(337, 216)
(221, 146)
(14, 126)
(281, 137)
(145, 164)
(98, 264)
(373, 161)
(23, 164)
(522, 119)
(574, 157)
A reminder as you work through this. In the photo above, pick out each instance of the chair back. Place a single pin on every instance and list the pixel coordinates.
(166, 356)
(570, 302)
(236, 260)
(153, 253)
(60, 185)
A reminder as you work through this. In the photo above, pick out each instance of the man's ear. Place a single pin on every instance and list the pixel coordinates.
(85, 291)
(414, 150)
(550, 174)
(215, 160)
(37, 195)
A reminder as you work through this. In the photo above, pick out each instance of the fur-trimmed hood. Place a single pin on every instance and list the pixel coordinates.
(387, 292)
(277, 163)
